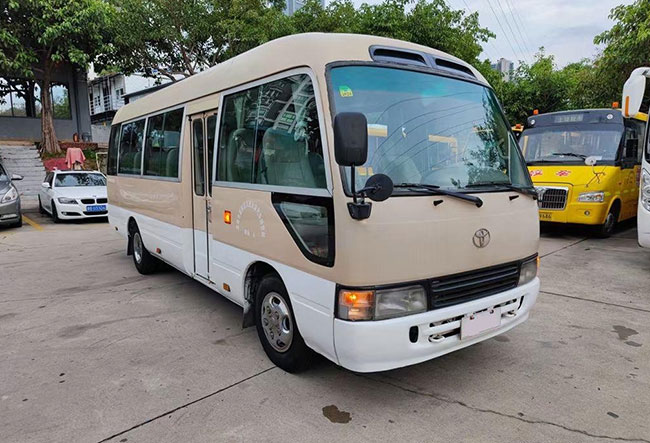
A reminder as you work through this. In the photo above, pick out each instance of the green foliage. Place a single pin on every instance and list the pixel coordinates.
(180, 38)
(40, 32)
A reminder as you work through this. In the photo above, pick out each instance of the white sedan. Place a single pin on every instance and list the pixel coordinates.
(68, 195)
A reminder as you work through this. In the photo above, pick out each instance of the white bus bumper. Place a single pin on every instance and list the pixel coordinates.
(381, 345)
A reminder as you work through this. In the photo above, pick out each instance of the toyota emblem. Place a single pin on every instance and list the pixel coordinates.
(481, 238)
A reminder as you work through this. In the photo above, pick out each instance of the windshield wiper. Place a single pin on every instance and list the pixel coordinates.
(436, 190)
(570, 154)
(522, 190)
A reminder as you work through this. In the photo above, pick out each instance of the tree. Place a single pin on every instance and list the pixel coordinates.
(178, 39)
(39, 36)
(627, 46)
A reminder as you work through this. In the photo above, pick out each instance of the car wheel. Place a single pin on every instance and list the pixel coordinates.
(277, 328)
(144, 262)
(55, 213)
(41, 209)
(607, 229)
(19, 223)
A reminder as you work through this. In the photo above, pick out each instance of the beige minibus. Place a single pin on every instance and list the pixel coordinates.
(359, 197)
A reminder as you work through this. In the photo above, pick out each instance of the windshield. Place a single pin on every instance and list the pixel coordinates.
(71, 180)
(429, 129)
(571, 143)
(3, 174)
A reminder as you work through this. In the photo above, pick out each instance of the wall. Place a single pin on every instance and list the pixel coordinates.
(27, 128)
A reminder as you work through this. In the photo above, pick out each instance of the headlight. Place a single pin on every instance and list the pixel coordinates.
(645, 190)
(592, 197)
(528, 271)
(67, 201)
(10, 196)
(381, 304)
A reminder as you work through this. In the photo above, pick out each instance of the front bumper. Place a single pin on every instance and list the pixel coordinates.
(10, 212)
(76, 211)
(385, 344)
(577, 212)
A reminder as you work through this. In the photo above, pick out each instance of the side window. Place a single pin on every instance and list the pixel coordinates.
(632, 141)
(271, 135)
(111, 167)
(163, 144)
(197, 147)
(130, 158)
(211, 124)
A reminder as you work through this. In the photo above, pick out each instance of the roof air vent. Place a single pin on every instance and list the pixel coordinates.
(401, 56)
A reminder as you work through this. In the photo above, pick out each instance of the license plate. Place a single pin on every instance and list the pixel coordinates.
(475, 324)
(96, 208)
(545, 216)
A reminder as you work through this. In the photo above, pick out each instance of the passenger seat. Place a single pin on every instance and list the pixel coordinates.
(286, 160)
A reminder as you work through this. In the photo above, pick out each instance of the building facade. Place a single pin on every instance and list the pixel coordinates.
(293, 5)
(20, 106)
(505, 67)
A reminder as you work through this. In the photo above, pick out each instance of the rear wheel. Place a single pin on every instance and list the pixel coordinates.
(144, 262)
(607, 229)
(277, 328)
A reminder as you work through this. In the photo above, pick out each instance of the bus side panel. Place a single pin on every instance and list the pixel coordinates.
(163, 217)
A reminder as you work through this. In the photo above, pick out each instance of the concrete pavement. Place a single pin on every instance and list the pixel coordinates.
(92, 351)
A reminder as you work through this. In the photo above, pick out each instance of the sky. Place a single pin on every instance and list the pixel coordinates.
(566, 28)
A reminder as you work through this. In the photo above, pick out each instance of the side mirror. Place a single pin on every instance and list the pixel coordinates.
(16, 177)
(45, 185)
(633, 91)
(350, 138)
(378, 187)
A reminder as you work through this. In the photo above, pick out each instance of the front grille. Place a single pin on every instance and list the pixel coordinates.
(96, 213)
(87, 201)
(552, 198)
(102, 200)
(460, 288)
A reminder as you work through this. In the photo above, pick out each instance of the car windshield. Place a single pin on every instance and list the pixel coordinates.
(72, 180)
(429, 129)
(3, 174)
(571, 143)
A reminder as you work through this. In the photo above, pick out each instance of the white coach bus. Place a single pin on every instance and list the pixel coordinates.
(633, 92)
(358, 196)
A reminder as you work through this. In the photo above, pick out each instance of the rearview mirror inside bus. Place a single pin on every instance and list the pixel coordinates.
(350, 138)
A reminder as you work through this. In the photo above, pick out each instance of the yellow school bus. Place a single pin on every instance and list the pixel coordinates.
(585, 165)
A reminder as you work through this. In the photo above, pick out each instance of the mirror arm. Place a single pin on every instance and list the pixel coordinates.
(359, 210)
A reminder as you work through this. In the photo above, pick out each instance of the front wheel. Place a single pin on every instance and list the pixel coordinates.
(607, 229)
(277, 328)
(55, 213)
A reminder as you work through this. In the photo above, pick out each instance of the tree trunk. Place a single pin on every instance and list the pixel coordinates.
(49, 143)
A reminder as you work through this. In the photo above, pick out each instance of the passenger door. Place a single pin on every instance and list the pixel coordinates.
(629, 171)
(203, 130)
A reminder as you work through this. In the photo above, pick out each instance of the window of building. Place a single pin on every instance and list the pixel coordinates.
(130, 152)
(22, 98)
(163, 144)
(270, 135)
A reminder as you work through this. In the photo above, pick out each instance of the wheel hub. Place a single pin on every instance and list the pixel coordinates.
(276, 321)
(137, 247)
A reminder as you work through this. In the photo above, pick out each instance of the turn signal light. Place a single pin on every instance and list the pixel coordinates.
(227, 217)
(615, 105)
(536, 111)
(356, 305)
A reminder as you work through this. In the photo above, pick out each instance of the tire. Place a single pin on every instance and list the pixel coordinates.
(41, 209)
(277, 328)
(19, 223)
(144, 262)
(607, 229)
(55, 213)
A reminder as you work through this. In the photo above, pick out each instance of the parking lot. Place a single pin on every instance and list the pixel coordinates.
(93, 351)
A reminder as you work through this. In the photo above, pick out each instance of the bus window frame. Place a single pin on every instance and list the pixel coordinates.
(318, 192)
(144, 141)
